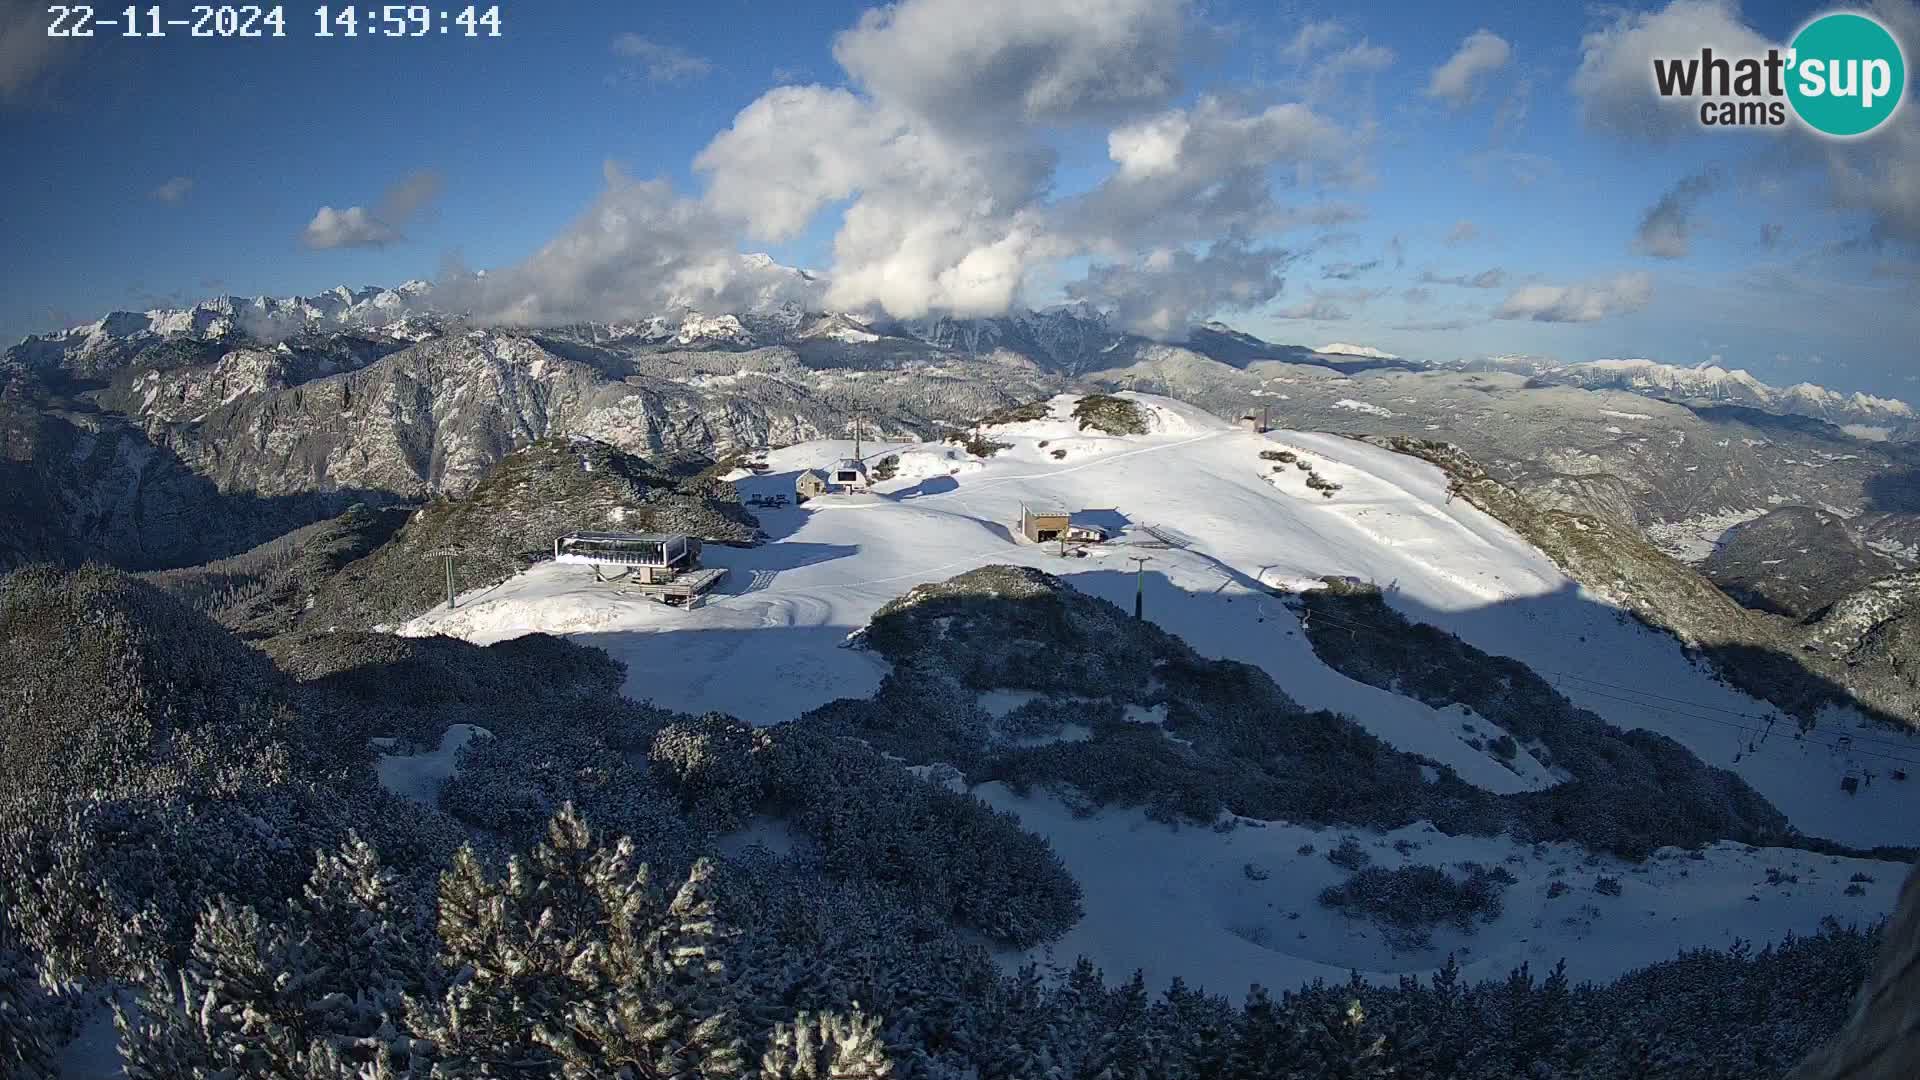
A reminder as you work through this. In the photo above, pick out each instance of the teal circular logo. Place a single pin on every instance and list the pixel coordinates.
(1846, 75)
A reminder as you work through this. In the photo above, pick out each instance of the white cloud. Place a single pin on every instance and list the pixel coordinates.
(26, 51)
(1167, 293)
(1666, 231)
(974, 64)
(357, 226)
(794, 150)
(1325, 52)
(938, 160)
(1482, 52)
(1315, 309)
(1314, 37)
(1463, 232)
(173, 192)
(659, 62)
(1877, 177)
(1614, 83)
(638, 250)
(1880, 176)
(945, 192)
(1584, 302)
(1485, 279)
(353, 227)
(1207, 171)
(937, 220)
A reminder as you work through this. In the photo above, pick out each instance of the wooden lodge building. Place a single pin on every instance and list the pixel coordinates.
(1048, 524)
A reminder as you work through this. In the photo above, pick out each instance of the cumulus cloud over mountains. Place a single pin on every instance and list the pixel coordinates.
(939, 162)
(933, 159)
(357, 226)
(1583, 302)
(639, 249)
(983, 64)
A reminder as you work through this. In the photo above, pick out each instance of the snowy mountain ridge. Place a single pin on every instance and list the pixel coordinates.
(1342, 348)
(1070, 339)
(1712, 383)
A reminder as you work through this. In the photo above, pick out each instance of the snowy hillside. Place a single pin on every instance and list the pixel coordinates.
(1224, 530)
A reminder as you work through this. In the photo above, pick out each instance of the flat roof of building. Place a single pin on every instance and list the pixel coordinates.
(620, 537)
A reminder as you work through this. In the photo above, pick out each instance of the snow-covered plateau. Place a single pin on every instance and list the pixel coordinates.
(1226, 534)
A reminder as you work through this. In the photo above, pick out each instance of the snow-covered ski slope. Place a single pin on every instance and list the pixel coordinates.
(1217, 521)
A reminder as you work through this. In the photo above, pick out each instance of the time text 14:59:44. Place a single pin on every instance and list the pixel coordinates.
(257, 21)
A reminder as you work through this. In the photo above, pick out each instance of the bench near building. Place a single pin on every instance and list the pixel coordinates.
(663, 566)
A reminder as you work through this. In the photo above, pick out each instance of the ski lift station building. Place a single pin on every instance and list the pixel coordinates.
(664, 566)
(843, 477)
(849, 474)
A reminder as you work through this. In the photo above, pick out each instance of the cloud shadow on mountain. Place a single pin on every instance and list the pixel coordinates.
(158, 514)
(1896, 491)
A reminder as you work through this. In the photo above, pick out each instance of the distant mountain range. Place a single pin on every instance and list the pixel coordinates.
(169, 437)
(1865, 416)
(1069, 340)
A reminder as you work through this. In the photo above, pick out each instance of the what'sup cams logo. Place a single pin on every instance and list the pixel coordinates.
(1844, 75)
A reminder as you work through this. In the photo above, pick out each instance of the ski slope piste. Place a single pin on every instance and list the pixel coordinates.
(1226, 534)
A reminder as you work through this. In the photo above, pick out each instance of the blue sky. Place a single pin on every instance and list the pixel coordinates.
(1794, 257)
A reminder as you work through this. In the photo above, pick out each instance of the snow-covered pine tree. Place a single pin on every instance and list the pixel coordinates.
(574, 963)
(1197, 1030)
(1264, 1044)
(1017, 1029)
(252, 1002)
(827, 1046)
(314, 992)
(29, 1029)
(1431, 1028)
(713, 764)
(1124, 1048)
(1340, 1041)
(655, 997)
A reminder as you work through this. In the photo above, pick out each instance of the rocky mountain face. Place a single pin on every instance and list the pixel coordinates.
(1873, 634)
(81, 484)
(1795, 561)
(179, 456)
